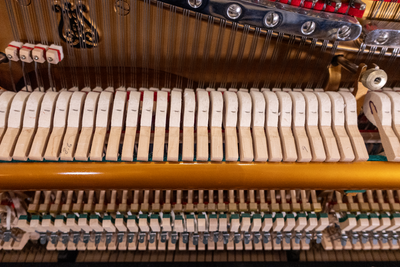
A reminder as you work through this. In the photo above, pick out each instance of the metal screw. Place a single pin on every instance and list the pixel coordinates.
(121, 7)
(344, 32)
(234, 11)
(195, 3)
(271, 19)
(382, 38)
(49, 59)
(9, 56)
(23, 57)
(308, 27)
(36, 58)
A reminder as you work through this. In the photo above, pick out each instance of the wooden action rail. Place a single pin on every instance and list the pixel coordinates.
(199, 175)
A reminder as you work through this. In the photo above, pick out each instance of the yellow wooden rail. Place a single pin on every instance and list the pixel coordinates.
(139, 175)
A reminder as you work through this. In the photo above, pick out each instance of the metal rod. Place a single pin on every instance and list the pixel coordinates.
(345, 63)
(199, 176)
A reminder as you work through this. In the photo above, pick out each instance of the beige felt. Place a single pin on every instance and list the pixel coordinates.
(129, 144)
(113, 143)
(216, 153)
(202, 143)
(97, 149)
(231, 144)
(144, 143)
(83, 147)
(173, 144)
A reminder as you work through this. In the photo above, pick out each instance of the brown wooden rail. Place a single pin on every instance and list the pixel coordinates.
(138, 175)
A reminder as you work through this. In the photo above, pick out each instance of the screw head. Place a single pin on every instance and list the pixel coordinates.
(9, 56)
(271, 19)
(234, 11)
(382, 38)
(195, 3)
(344, 32)
(121, 7)
(49, 59)
(36, 58)
(308, 27)
(23, 57)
